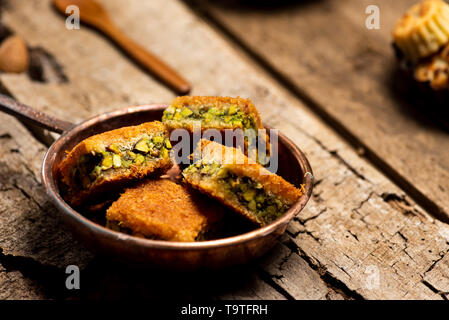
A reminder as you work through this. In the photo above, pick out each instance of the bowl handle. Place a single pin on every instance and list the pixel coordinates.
(33, 116)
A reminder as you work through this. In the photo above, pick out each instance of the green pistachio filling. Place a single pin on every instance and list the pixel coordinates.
(91, 166)
(249, 193)
(229, 115)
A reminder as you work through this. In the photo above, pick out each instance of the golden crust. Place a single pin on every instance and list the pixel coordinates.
(236, 162)
(163, 209)
(99, 142)
(215, 152)
(271, 182)
(212, 189)
(126, 136)
(116, 180)
(219, 102)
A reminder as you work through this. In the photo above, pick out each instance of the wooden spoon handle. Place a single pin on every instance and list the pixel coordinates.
(149, 61)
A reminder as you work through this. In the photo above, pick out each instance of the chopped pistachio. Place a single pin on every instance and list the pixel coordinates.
(279, 204)
(249, 194)
(234, 184)
(186, 112)
(232, 110)
(116, 161)
(213, 111)
(158, 139)
(222, 173)
(252, 205)
(170, 109)
(271, 210)
(96, 172)
(142, 146)
(139, 159)
(237, 123)
(154, 152)
(192, 169)
(164, 153)
(107, 162)
(131, 154)
(260, 198)
(177, 116)
(168, 144)
(208, 116)
(205, 169)
(126, 163)
(114, 148)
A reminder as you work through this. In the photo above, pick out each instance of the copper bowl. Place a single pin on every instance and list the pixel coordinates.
(293, 166)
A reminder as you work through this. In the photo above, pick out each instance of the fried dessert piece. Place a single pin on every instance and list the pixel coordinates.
(434, 70)
(423, 30)
(213, 112)
(220, 113)
(162, 209)
(421, 41)
(248, 188)
(106, 161)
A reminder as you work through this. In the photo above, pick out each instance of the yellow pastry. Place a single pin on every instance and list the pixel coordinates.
(423, 30)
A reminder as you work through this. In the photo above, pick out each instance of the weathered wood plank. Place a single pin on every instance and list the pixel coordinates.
(293, 273)
(26, 213)
(325, 52)
(436, 276)
(103, 80)
(33, 244)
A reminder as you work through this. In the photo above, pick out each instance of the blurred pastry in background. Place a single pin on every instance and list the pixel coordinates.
(421, 40)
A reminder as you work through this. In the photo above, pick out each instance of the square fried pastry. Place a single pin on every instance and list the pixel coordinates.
(213, 113)
(163, 209)
(227, 175)
(222, 114)
(107, 161)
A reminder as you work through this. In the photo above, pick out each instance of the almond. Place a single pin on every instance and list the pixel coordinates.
(14, 55)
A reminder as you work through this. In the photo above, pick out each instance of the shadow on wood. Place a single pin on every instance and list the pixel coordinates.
(418, 101)
(253, 5)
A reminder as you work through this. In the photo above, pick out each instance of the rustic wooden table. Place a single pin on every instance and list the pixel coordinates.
(376, 227)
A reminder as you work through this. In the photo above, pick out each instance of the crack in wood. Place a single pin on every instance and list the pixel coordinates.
(268, 278)
(332, 282)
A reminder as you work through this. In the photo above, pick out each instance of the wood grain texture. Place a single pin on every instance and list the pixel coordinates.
(356, 222)
(323, 50)
(293, 274)
(33, 242)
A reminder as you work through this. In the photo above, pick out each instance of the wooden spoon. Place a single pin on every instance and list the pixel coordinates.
(95, 15)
